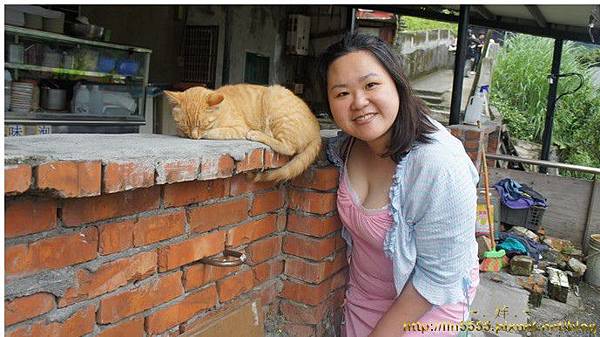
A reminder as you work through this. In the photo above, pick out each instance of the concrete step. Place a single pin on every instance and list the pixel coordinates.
(426, 92)
(432, 99)
(438, 107)
(440, 116)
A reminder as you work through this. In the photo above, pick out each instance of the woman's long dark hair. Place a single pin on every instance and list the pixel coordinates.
(411, 124)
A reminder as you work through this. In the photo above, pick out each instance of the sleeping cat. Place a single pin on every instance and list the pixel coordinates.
(270, 115)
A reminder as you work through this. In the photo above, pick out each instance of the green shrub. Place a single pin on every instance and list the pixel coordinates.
(414, 24)
(520, 91)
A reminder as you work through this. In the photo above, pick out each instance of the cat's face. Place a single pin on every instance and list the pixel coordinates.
(195, 110)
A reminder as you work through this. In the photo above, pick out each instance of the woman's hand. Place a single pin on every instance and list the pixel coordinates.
(409, 307)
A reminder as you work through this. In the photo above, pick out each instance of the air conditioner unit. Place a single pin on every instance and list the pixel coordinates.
(298, 33)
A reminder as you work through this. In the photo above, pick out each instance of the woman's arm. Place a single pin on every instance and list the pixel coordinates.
(407, 308)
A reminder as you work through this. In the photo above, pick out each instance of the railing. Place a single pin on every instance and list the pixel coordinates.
(546, 163)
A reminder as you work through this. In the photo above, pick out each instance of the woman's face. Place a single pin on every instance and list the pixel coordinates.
(362, 96)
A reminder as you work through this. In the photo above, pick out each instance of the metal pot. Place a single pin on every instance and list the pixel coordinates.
(91, 32)
(54, 99)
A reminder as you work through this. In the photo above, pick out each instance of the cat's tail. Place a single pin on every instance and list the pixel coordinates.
(294, 167)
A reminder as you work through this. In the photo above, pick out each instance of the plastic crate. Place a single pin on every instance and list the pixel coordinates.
(530, 218)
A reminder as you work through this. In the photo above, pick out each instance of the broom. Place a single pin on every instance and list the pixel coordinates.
(493, 260)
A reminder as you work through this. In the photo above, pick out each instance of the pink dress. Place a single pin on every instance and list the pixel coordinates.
(370, 291)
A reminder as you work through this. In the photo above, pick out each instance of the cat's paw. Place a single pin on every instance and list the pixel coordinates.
(254, 135)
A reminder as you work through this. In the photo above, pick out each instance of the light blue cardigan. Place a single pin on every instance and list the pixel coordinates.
(433, 202)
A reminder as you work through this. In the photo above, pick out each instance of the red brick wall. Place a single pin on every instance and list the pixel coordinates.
(476, 140)
(125, 246)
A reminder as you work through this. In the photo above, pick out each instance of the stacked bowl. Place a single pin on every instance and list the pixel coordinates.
(21, 98)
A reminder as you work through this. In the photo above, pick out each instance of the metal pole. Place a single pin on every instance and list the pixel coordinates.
(459, 65)
(551, 103)
(226, 49)
(352, 20)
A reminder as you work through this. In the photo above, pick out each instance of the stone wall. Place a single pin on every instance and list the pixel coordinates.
(425, 51)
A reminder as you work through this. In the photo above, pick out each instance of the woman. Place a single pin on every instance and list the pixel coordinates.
(407, 198)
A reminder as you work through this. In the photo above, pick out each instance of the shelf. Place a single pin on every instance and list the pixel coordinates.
(48, 117)
(64, 38)
(64, 71)
(113, 81)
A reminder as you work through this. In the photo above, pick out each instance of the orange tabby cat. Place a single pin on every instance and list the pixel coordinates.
(270, 115)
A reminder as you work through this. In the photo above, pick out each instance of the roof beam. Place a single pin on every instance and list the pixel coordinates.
(534, 10)
(484, 12)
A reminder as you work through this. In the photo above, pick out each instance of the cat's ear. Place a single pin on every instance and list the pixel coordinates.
(173, 96)
(214, 99)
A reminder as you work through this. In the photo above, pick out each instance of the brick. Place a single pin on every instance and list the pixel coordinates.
(147, 230)
(23, 308)
(339, 242)
(178, 313)
(312, 225)
(302, 313)
(191, 250)
(267, 202)
(86, 210)
(27, 216)
(205, 218)
(267, 270)
(70, 178)
(312, 202)
(130, 328)
(200, 274)
(269, 292)
(340, 279)
(321, 179)
(457, 133)
(304, 292)
(115, 237)
(251, 231)
(240, 185)
(281, 220)
(471, 145)
(123, 176)
(109, 277)
(310, 248)
(299, 330)
(252, 161)
(472, 135)
(235, 285)
(17, 179)
(274, 159)
(177, 171)
(314, 272)
(182, 194)
(263, 249)
(146, 296)
(122, 235)
(80, 323)
(221, 167)
(51, 253)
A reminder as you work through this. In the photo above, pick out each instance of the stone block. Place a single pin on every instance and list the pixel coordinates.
(521, 265)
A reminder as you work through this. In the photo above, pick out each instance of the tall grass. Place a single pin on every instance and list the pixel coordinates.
(520, 91)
